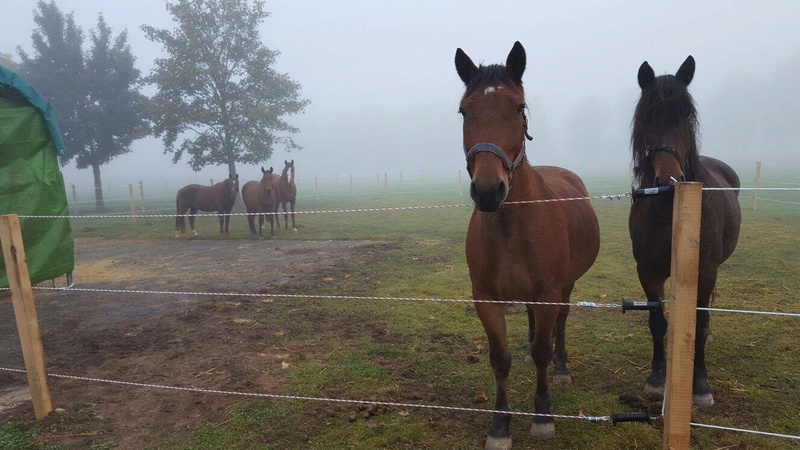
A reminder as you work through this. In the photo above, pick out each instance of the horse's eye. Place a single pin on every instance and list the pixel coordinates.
(521, 108)
(461, 111)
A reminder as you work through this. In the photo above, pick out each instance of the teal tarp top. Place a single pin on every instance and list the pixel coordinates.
(31, 182)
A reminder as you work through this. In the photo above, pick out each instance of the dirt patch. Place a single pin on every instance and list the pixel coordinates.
(230, 343)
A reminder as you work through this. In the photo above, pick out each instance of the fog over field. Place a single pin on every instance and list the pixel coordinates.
(384, 91)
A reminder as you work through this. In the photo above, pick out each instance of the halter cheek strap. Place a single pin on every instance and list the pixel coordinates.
(497, 151)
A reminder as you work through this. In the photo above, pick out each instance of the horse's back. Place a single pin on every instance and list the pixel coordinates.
(565, 183)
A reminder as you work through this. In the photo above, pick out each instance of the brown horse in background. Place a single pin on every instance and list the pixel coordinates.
(285, 192)
(665, 151)
(259, 198)
(530, 253)
(219, 197)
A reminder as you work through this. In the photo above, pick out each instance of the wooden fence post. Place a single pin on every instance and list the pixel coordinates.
(133, 202)
(385, 184)
(401, 178)
(74, 201)
(378, 181)
(25, 312)
(351, 183)
(141, 193)
(758, 185)
(316, 188)
(687, 207)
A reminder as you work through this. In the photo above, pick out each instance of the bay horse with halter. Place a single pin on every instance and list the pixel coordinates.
(665, 150)
(259, 199)
(529, 253)
(285, 192)
(194, 197)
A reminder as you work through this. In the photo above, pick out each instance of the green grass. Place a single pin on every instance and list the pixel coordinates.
(435, 353)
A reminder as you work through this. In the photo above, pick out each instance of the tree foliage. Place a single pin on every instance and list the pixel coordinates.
(94, 93)
(218, 92)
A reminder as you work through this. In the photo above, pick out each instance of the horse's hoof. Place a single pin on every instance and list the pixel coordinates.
(650, 389)
(501, 443)
(177, 235)
(562, 378)
(194, 233)
(709, 339)
(703, 400)
(542, 431)
(528, 359)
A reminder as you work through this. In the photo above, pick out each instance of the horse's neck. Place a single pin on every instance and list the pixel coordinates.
(525, 184)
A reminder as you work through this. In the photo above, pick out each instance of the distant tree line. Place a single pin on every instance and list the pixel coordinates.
(219, 100)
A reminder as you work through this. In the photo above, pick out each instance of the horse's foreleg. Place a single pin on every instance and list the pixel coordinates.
(221, 221)
(286, 218)
(227, 222)
(702, 395)
(251, 223)
(271, 219)
(654, 290)
(260, 225)
(494, 324)
(543, 427)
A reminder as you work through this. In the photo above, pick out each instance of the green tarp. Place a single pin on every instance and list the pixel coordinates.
(31, 182)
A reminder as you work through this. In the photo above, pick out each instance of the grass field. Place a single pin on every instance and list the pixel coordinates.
(434, 353)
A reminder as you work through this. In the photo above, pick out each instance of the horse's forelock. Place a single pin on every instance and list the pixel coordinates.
(491, 75)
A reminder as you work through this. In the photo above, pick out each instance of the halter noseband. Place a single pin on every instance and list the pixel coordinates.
(664, 148)
(497, 151)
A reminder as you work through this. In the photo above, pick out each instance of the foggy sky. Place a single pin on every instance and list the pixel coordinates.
(384, 91)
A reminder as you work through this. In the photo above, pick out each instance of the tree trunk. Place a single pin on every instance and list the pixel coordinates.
(232, 167)
(98, 188)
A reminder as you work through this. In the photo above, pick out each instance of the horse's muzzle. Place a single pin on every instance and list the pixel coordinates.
(488, 200)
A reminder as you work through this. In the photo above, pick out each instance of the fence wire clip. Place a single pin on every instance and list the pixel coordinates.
(630, 417)
(642, 306)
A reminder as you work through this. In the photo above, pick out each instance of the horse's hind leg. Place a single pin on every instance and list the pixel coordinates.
(291, 204)
(702, 395)
(531, 333)
(260, 225)
(251, 223)
(560, 373)
(271, 219)
(543, 427)
(494, 324)
(227, 222)
(221, 221)
(192, 213)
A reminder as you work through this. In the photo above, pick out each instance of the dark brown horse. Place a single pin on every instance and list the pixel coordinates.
(665, 150)
(532, 253)
(259, 198)
(194, 197)
(285, 192)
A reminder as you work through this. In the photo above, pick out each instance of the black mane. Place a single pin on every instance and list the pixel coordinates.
(491, 75)
(665, 108)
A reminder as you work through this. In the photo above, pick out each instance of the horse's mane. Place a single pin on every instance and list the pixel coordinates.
(491, 75)
(665, 107)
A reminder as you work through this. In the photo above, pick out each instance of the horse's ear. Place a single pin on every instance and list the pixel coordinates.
(292, 163)
(464, 66)
(515, 63)
(646, 75)
(237, 176)
(262, 170)
(271, 169)
(686, 72)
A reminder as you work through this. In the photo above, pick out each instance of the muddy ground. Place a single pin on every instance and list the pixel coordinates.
(225, 343)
